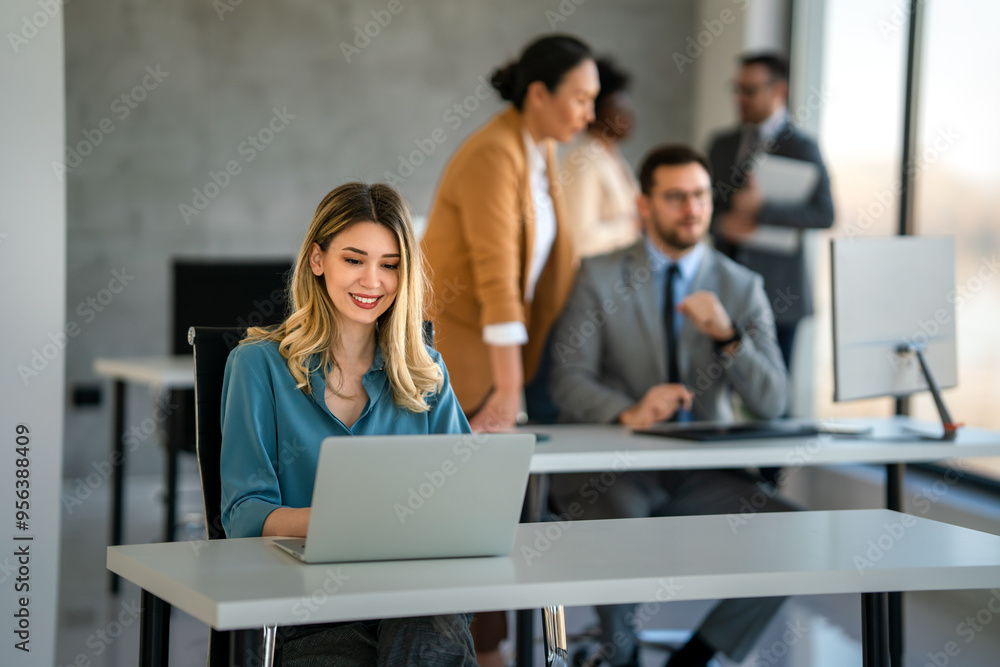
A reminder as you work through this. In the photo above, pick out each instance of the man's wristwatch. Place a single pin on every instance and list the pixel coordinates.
(735, 338)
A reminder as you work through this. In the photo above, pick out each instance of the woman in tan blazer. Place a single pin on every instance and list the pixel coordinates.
(498, 246)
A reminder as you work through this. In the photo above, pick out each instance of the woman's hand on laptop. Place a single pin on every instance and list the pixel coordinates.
(286, 522)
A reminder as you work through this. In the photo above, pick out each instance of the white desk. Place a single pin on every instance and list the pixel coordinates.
(599, 447)
(603, 447)
(232, 584)
(160, 373)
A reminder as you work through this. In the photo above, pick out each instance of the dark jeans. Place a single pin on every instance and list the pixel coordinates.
(541, 409)
(393, 642)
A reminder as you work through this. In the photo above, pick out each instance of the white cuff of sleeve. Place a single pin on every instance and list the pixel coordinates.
(505, 333)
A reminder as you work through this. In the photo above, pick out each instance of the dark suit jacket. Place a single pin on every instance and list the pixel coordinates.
(785, 279)
(609, 345)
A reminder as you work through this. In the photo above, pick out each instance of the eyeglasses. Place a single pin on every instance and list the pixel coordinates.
(742, 90)
(678, 198)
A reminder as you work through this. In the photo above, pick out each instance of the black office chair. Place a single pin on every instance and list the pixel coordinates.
(221, 293)
(212, 346)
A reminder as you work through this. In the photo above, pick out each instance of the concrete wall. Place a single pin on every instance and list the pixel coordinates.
(162, 96)
(723, 30)
(33, 274)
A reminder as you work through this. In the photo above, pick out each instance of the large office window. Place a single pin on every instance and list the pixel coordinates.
(956, 175)
(861, 137)
(956, 193)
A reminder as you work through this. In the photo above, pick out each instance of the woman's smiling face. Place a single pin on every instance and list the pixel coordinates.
(360, 268)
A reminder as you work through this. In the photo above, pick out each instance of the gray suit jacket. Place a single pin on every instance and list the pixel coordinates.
(609, 346)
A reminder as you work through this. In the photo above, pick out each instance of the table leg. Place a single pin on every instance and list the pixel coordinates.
(173, 436)
(524, 619)
(874, 644)
(554, 630)
(895, 613)
(220, 648)
(117, 471)
(894, 474)
(247, 646)
(894, 480)
(524, 634)
(154, 637)
(538, 496)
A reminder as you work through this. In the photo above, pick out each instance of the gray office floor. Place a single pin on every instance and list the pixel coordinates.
(98, 629)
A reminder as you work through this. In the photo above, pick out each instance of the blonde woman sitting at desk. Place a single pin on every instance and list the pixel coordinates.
(349, 360)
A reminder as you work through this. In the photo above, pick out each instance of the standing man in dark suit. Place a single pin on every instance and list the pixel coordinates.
(669, 328)
(741, 207)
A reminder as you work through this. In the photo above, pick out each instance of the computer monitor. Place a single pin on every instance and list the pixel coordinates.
(894, 318)
(233, 292)
(213, 292)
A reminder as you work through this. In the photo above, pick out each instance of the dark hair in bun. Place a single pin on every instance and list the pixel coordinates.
(546, 60)
(613, 79)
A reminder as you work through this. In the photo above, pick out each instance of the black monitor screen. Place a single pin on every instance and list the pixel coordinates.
(227, 293)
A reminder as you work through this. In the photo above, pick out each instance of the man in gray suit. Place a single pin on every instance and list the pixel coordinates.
(667, 329)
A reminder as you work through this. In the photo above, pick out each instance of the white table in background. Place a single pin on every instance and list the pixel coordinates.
(600, 447)
(597, 448)
(161, 374)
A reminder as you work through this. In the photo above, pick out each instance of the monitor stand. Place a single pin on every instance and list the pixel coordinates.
(950, 426)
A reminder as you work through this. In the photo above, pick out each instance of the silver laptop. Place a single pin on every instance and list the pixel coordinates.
(423, 496)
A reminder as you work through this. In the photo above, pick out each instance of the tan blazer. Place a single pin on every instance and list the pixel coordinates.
(477, 247)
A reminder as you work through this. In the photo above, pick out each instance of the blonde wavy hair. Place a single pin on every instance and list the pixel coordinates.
(305, 337)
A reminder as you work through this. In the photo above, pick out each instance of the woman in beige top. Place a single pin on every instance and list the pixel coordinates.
(600, 188)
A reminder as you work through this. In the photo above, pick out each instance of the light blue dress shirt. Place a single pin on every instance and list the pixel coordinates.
(687, 267)
(271, 430)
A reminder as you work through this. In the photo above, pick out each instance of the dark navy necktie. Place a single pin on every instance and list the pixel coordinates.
(673, 368)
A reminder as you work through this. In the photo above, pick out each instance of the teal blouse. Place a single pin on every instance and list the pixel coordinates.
(271, 431)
